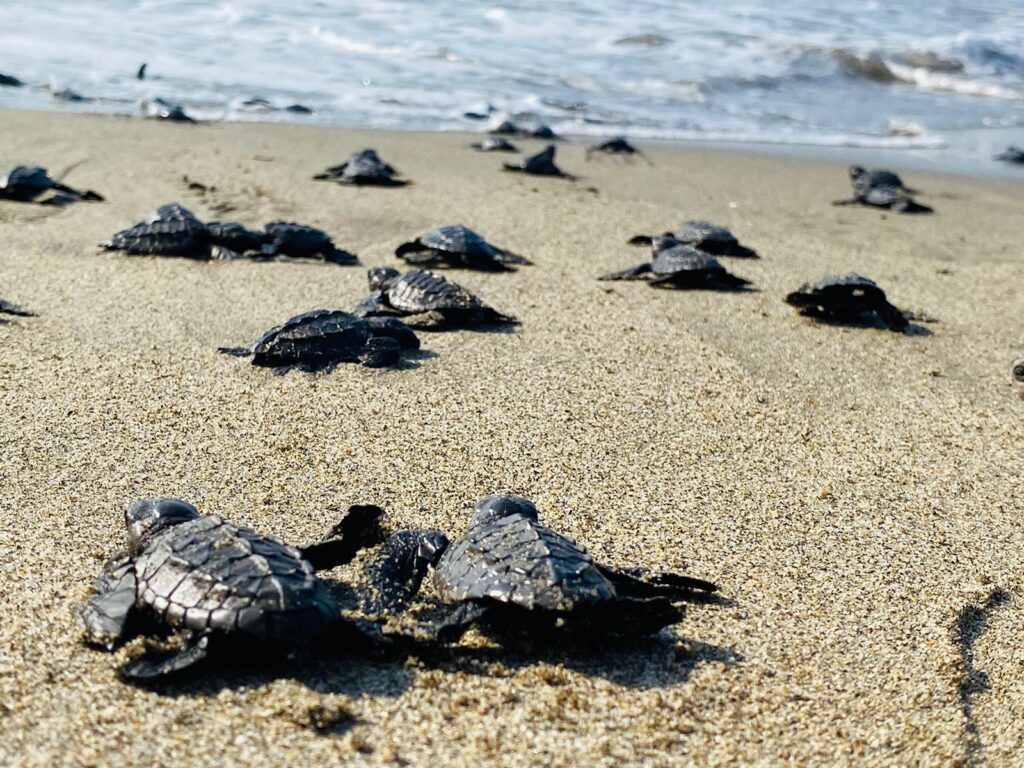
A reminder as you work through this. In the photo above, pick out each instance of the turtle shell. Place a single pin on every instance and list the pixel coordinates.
(163, 237)
(234, 236)
(367, 165)
(315, 339)
(420, 290)
(700, 232)
(458, 239)
(297, 240)
(173, 212)
(520, 561)
(209, 574)
(683, 258)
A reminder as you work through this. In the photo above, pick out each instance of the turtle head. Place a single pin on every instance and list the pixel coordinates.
(493, 508)
(381, 278)
(856, 171)
(149, 516)
(661, 243)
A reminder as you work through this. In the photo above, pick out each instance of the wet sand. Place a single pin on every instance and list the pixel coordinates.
(855, 492)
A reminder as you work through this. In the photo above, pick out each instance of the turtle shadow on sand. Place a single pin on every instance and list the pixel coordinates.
(911, 329)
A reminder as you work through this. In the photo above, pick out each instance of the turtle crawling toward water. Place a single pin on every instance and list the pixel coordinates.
(702, 235)
(299, 241)
(34, 185)
(321, 339)
(363, 168)
(617, 146)
(1011, 154)
(457, 246)
(512, 571)
(540, 164)
(203, 580)
(6, 308)
(426, 301)
(848, 299)
(881, 189)
(680, 266)
(494, 144)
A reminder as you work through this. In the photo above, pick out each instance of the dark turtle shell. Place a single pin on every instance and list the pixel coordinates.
(862, 178)
(364, 167)
(207, 574)
(469, 248)
(540, 164)
(163, 237)
(300, 241)
(712, 238)
(517, 560)
(846, 298)
(1011, 155)
(173, 212)
(686, 266)
(321, 338)
(233, 236)
(26, 184)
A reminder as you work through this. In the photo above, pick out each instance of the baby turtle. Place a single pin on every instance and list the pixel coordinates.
(1018, 369)
(158, 109)
(363, 168)
(203, 579)
(541, 164)
(1011, 155)
(28, 185)
(6, 308)
(457, 246)
(426, 301)
(286, 238)
(510, 570)
(850, 299)
(320, 339)
(617, 146)
(881, 189)
(494, 144)
(680, 266)
(702, 235)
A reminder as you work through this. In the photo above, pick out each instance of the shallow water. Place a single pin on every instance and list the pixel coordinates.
(873, 73)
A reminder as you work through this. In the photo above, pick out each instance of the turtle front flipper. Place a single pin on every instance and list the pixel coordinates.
(105, 616)
(235, 351)
(154, 663)
(357, 529)
(641, 240)
(639, 272)
(893, 317)
(458, 621)
(396, 574)
(392, 327)
(641, 583)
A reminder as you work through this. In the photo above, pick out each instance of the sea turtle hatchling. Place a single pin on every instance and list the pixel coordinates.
(426, 301)
(881, 189)
(202, 580)
(680, 266)
(321, 339)
(617, 146)
(702, 235)
(494, 144)
(850, 299)
(540, 164)
(1011, 154)
(29, 185)
(299, 241)
(6, 308)
(363, 168)
(457, 246)
(510, 570)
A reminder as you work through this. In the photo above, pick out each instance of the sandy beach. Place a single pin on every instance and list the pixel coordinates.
(855, 492)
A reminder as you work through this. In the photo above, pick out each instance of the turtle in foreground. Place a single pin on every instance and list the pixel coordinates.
(457, 246)
(286, 238)
(512, 571)
(680, 266)
(1011, 155)
(702, 235)
(426, 301)
(540, 164)
(494, 144)
(6, 308)
(617, 146)
(203, 580)
(363, 168)
(29, 185)
(321, 339)
(850, 299)
(881, 189)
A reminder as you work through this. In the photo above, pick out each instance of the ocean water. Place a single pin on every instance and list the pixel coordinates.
(897, 74)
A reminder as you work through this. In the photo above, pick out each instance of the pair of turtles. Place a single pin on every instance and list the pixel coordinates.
(321, 339)
(847, 299)
(175, 231)
(881, 189)
(26, 184)
(457, 246)
(364, 168)
(197, 581)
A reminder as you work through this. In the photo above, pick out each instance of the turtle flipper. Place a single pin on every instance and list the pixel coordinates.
(413, 246)
(235, 351)
(396, 574)
(13, 309)
(639, 272)
(341, 256)
(159, 663)
(907, 205)
(892, 316)
(106, 615)
(640, 240)
(380, 352)
(641, 583)
(458, 622)
(357, 529)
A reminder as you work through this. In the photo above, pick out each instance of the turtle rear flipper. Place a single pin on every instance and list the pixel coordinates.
(893, 317)
(630, 616)
(13, 309)
(396, 574)
(341, 256)
(639, 582)
(639, 272)
(160, 663)
(358, 528)
(105, 616)
(907, 205)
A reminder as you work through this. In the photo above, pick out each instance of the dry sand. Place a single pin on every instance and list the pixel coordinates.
(856, 493)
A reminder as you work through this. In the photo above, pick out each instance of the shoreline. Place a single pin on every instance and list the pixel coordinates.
(854, 492)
